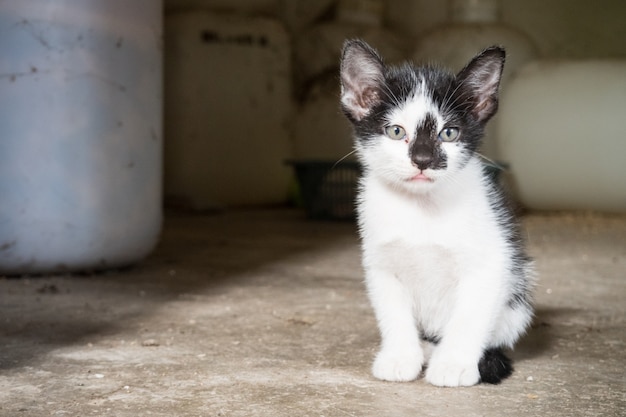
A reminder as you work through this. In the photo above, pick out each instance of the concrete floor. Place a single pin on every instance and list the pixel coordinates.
(261, 313)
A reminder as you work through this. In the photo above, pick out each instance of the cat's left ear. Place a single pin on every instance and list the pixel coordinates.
(481, 79)
(361, 79)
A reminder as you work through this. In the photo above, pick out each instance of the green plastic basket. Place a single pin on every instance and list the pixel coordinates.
(327, 188)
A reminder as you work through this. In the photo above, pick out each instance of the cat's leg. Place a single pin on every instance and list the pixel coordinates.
(513, 322)
(465, 336)
(400, 357)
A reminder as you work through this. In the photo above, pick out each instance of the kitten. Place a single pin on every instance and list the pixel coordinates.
(443, 258)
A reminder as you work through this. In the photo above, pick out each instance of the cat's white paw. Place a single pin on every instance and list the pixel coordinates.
(452, 373)
(397, 366)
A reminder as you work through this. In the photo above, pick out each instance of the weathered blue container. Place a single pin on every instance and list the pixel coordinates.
(80, 133)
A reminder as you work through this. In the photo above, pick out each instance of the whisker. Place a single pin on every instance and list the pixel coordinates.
(491, 161)
(446, 97)
(447, 104)
(451, 179)
(391, 95)
(342, 158)
(454, 102)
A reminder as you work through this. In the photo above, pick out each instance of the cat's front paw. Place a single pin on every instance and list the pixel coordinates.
(397, 366)
(444, 373)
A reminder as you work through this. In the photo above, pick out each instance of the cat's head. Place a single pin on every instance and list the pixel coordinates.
(417, 126)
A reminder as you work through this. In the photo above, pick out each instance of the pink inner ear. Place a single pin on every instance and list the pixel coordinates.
(482, 77)
(361, 76)
(352, 105)
(368, 98)
(359, 99)
(485, 108)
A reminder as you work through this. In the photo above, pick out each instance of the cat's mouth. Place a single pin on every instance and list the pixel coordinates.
(420, 177)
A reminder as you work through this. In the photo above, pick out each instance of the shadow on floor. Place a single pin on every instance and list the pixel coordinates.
(197, 254)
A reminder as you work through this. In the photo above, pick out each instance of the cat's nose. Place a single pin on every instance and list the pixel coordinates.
(422, 154)
(421, 163)
(422, 160)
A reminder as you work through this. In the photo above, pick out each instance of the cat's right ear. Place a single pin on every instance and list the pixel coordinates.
(481, 77)
(361, 79)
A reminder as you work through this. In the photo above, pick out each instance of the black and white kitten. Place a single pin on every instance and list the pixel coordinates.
(444, 263)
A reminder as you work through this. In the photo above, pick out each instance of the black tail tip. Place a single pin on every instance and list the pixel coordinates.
(494, 366)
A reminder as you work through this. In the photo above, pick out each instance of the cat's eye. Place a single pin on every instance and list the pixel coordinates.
(449, 134)
(395, 132)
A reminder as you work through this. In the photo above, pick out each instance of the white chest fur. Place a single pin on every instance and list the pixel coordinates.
(432, 242)
(454, 215)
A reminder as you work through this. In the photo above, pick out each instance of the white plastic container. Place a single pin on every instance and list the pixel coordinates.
(228, 110)
(80, 133)
(562, 131)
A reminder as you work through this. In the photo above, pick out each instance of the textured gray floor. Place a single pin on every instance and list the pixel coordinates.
(261, 313)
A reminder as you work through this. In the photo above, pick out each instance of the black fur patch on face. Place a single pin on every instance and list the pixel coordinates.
(425, 150)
